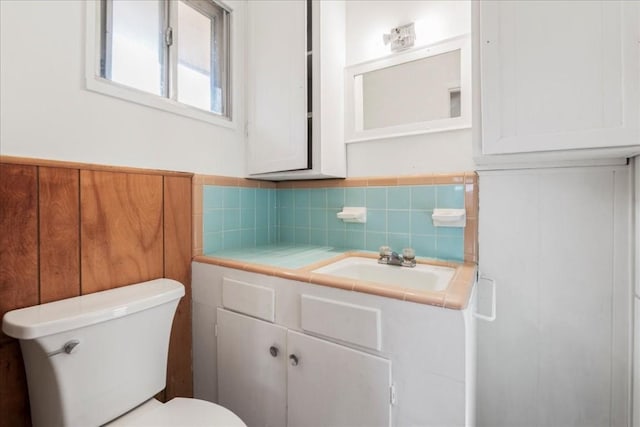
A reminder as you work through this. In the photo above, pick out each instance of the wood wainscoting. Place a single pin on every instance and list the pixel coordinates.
(70, 229)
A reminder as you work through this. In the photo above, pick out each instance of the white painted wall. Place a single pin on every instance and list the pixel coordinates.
(366, 22)
(558, 243)
(45, 111)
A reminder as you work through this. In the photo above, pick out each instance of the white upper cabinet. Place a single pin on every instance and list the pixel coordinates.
(561, 75)
(296, 53)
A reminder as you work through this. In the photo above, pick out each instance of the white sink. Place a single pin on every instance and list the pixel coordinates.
(422, 277)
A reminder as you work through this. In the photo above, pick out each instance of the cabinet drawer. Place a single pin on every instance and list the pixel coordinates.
(254, 300)
(343, 321)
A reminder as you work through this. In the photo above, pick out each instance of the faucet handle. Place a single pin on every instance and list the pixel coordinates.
(384, 251)
(408, 254)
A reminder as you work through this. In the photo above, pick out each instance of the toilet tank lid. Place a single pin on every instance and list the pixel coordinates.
(72, 313)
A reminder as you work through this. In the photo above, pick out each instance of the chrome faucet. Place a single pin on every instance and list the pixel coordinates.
(389, 257)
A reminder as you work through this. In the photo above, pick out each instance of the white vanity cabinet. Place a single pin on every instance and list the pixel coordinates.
(559, 76)
(271, 376)
(251, 381)
(295, 127)
(361, 359)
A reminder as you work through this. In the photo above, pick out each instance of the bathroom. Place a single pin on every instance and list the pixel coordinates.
(553, 222)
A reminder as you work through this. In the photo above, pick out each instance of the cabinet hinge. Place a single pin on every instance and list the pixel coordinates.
(215, 330)
(393, 397)
(168, 36)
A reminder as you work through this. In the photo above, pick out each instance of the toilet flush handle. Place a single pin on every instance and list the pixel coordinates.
(68, 348)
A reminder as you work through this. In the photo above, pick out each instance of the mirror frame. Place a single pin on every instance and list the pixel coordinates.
(352, 91)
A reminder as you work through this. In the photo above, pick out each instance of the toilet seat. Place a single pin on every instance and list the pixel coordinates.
(179, 412)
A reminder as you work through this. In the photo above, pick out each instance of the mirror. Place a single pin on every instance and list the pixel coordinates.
(418, 91)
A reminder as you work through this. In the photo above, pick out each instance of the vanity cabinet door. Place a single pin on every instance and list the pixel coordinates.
(333, 385)
(559, 75)
(252, 369)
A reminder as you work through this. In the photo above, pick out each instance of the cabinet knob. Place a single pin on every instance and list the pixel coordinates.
(274, 351)
(293, 359)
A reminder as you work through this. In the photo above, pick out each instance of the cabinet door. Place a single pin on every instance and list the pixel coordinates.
(559, 75)
(333, 385)
(251, 381)
(277, 89)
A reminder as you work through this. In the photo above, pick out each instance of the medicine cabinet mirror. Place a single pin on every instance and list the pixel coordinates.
(427, 89)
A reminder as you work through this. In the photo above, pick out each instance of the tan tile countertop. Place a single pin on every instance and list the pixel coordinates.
(455, 296)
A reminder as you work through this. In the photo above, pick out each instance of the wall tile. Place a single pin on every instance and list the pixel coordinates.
(247, 198)
(231, 239)
(422, 223)
(212, 242)
(231, 219)
(262, 198)
(376, 221)
(262, 217)
(301, 217)
(355, 239)
(286, 217)
(376, 198)
(450, 196)
(318, 236)
(354, 196)
(398, 241)
(399, 197)
(424, 245)
(457, 232)
(336, 238)
(333, 223)
(213, 220)
(318, 198)
(375, 240)
(284, 198)
(450, 248)
(301, 198)
(248, 238)
(335, 198)
(399, 221)
(247, 218)
(398, 216)
(318, 218)
(301, 235)
(287, 235)
(423, 197)
(231, 198)
(262, 236)
(213, 197)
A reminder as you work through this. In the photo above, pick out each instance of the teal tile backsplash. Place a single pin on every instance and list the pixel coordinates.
(398, 216)
(237, 217)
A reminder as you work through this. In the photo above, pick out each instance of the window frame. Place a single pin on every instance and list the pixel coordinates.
(96, 21)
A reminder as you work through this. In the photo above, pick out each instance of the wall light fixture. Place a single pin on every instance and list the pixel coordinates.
(401, 38)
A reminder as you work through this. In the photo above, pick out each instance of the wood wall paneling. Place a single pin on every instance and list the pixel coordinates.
(65, 232)
(121, 231)
(59, 221)
(177, 265)
(18, 280)
(14, 398)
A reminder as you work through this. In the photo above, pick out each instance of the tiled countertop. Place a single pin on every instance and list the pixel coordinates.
(297, 262)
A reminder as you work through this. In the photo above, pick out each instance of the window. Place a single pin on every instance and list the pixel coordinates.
(177, 50)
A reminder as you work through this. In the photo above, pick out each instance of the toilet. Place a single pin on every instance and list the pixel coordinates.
(101, 358)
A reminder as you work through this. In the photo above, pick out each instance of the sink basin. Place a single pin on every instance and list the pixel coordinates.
(421, 277)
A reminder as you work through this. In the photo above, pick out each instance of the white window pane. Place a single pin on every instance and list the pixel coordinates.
(195, 58)
(136, 48)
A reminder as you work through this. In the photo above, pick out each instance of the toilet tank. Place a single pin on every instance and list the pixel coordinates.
(119, 361)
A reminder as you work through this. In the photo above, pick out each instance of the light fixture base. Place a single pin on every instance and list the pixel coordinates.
(401, 38)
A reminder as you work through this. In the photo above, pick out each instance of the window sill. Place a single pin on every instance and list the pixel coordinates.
(109, 88)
